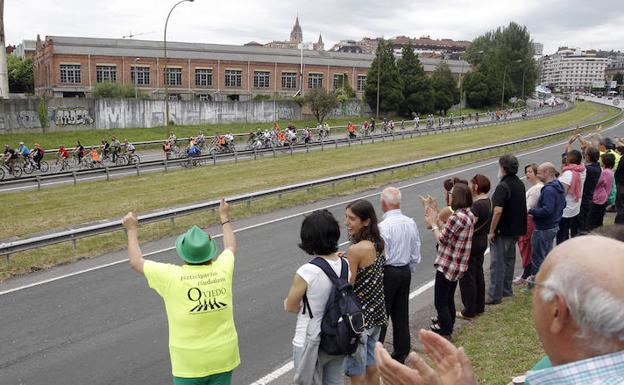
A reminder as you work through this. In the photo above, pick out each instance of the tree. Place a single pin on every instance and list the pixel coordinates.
(415, 85)
(619, 78)
(477, 90)
(504, 53)
(20, 75)
(445, 92)
(383, 68)
(115, 90)
(321, 102)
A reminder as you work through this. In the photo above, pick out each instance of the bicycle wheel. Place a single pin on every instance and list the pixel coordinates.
(135, 159)
(43, 166)
(121, 160)
(17, 171)
(28, 168)
(2, 173)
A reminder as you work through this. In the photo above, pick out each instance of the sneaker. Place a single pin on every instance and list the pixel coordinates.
(461, 315)
(434, 320)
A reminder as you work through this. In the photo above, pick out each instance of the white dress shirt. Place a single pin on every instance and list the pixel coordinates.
(402, 239)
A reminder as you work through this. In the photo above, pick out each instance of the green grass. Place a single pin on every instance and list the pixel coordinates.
(502, 343)
(66, 206)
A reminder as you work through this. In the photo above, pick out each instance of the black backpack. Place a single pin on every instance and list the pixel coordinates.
(343, 321)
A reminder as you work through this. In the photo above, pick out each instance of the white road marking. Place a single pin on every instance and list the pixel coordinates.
(287, 217)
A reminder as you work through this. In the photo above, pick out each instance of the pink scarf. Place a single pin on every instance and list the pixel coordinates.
(576, 187)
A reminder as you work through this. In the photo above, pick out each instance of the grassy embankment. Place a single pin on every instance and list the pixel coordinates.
(62, 207)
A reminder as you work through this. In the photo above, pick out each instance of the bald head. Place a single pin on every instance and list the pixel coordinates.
(546, 172)
(580, 309)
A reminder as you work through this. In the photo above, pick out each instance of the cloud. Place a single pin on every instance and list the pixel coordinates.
(577, 23)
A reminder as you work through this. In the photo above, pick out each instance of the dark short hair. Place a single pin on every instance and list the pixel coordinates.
(482, 182)
(459, 180)
(608, 160)
(592, 154)
(620, 149)
(608, 143)
(448, 184)
(574, 157)
(462, 197)
(532, 166)
(509, 164)
(320, 233)
(364, 210)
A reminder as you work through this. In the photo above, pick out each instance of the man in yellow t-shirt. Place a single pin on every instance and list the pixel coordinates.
(203, 344)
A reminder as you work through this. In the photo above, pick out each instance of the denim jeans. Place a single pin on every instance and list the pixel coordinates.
(355, 365)
(333, 366)
(541, 243)
(502, 264)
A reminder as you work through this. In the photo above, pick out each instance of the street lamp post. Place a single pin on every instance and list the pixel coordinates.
(136, 80)
(166, 74)
(504, 75)
(378, 74)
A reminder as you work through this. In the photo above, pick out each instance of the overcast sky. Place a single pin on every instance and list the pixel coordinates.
(596, 24)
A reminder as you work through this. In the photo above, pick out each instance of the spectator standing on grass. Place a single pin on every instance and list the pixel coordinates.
(402, 242)
(577, 313)
(572, 177)
(546, 215)
(524, 242)
(203, 343)
(319, 237)
(472, 284)
(454, 245)
(366, 264)
(509, 221)
(601, 192)
(593, 170)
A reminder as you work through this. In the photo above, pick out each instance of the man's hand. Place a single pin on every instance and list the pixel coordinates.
(491, 237)
(130, 221)
(224, 210)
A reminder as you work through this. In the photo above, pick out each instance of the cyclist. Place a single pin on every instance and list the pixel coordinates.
(307, 135)
(166, 148)
(351, 130)
(37, 154)
(173, 138)
(10, 157)
(130, 149)
(95, 156)
(291, 136)
(115, 148)
(201, 139)
(229, 140)
(105, 148)
(23, 150)
(79, 151)
(62, 155)
(416, 121)
(192, 150)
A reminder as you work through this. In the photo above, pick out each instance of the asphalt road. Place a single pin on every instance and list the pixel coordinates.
(105, 326)
(154, 155)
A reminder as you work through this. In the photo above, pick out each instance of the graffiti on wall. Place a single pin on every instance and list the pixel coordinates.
(73, 117)
(3, 126)
(285, 113)
(28, 119)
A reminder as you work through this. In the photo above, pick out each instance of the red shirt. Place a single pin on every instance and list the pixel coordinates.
(64, 153)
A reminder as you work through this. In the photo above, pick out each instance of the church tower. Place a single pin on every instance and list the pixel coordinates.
(320, 45)
(296, 35)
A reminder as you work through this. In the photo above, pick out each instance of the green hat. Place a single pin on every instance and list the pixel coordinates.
(195, 246)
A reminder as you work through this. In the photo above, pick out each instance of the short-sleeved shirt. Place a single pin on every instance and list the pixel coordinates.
(198, 300)
(573, 206)
(510, 195)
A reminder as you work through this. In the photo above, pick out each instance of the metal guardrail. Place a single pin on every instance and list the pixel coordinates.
(73, 235)
(213, 157)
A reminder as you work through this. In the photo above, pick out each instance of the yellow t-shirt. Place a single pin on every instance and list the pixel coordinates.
(198, 301)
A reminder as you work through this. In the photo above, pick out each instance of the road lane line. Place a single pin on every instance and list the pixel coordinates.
(523, 154)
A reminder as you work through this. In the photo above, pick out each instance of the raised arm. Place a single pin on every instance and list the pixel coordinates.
(131, 223)
(229, 240)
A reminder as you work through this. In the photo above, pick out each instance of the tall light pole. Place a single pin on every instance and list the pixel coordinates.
(4, 73)
(504, 75)
(378, 73)
(136, 80)
(167, 74)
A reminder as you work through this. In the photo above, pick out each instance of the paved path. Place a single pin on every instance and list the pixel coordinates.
(97, 322)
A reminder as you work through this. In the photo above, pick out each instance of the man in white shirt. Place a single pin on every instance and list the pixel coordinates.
(573, 178)
(402, 242)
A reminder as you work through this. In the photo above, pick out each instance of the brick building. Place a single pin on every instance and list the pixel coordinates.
(72, 66)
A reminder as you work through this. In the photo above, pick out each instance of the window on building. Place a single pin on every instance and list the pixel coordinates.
(205, 97)
(140, 75)
(315, 81)
(104, 73)
(289, 80)
(173, 76)
(340, 80)
(261, 79)
(361, 82)
(70, 73)
(203, 77)
(233, 78)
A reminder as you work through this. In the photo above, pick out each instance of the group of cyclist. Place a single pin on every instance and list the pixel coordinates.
(11, 156)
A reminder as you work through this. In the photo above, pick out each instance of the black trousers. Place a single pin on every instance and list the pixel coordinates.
(619, 205)
(564, 229)
(444, 300)
(396, 290)
(596, 215)
(472, 287)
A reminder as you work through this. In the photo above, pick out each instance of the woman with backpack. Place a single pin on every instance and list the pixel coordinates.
(308, 296)
(366, 264)
(454, 246)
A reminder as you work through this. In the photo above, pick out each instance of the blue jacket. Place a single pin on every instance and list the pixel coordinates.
(550, 205)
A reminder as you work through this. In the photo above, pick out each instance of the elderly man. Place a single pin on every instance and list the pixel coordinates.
(402, 241)
(578, 314)
(509, 221)
(203, 343)
(546, 215)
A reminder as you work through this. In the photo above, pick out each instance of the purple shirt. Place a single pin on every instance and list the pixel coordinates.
(603, 187)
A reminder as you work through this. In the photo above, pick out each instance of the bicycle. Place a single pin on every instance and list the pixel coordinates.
(30, 165)
(15, 171)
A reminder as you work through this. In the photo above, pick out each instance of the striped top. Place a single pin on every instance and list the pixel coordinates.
(369, 289)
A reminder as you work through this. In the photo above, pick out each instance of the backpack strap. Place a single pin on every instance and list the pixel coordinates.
(329, 272)
(306, 305)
